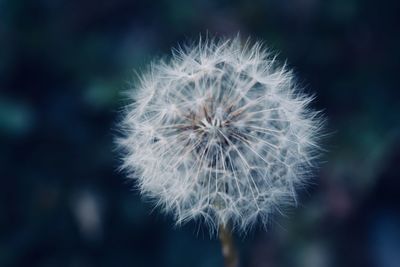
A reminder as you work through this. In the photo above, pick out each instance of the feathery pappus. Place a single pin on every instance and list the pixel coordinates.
(220, 132)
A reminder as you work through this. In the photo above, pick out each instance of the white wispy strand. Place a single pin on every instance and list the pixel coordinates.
(219, 132)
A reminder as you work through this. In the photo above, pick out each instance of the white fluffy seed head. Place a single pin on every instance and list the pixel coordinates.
(219, 132)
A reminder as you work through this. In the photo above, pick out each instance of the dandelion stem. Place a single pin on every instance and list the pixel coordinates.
(228, 247)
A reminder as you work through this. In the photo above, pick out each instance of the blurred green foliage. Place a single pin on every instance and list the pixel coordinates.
(64, 66)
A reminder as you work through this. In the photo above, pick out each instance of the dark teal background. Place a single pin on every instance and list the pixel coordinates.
(63, 68)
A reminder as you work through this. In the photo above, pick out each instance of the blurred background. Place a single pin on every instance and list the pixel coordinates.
(63, 68)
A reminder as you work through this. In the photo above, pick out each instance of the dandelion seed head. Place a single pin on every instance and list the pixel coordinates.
(220, 132)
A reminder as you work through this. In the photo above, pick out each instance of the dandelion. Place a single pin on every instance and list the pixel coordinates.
(220, 132)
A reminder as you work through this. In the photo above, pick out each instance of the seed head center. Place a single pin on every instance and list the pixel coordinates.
(211, 125)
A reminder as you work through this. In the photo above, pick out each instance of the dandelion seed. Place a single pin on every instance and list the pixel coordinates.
(220, 132)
